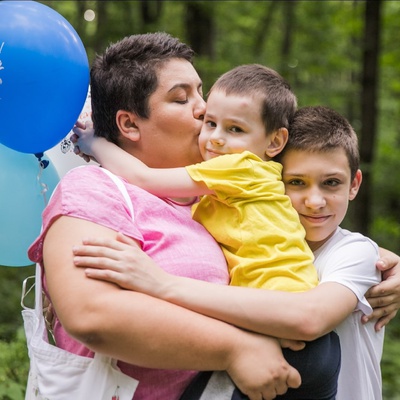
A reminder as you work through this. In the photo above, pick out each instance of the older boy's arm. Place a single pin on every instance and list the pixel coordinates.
(148, 332)
(297, 316)
(385, 297)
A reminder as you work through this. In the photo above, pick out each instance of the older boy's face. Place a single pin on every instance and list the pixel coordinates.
(320, 187)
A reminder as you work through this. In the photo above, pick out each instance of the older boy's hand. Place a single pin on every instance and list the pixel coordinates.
(385, 297)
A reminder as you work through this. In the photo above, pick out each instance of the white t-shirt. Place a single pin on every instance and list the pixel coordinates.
(349, 258)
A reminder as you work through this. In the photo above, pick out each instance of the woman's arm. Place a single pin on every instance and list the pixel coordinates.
(162, 182)
(385, 297)
(148, 332)
(299, 316)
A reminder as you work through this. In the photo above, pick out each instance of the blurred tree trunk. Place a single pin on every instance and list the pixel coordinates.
(200, 28)
(102, 28)
(289, 8)
(199, 25)
(81, 7)
(264, 24)
(151, 11)
(369, 112)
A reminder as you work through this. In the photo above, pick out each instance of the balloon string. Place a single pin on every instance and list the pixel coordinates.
(42, 165)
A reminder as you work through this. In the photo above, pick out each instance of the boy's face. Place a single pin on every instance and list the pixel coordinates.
(320, 188)
(232, 124)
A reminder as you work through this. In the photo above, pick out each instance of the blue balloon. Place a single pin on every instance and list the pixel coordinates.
(23, 198)
(44, 76)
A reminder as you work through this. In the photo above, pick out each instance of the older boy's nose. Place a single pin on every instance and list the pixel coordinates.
(315, 199)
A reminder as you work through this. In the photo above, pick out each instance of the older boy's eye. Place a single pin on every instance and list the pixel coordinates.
(332, 182)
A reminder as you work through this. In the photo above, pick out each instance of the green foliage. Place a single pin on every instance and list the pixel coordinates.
(14, 367)
(391, 363)
(10, 294)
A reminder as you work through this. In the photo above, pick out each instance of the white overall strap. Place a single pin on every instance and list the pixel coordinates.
(122, 189)
(38, 291)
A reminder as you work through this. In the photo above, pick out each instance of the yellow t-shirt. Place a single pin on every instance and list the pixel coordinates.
(254, 222)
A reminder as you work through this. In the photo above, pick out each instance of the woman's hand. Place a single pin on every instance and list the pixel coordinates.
(271, 378)
(385, 297)
(122, 262)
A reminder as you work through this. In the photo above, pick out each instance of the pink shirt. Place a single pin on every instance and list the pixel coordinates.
(165, 231)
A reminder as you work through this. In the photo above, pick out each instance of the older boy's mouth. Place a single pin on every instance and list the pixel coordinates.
(315, 218)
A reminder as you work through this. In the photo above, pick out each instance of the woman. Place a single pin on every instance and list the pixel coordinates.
(147, 96)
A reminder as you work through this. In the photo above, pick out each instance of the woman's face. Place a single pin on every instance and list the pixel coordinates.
(169, 137)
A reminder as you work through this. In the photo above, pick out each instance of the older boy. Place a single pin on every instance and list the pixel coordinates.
(321, 174)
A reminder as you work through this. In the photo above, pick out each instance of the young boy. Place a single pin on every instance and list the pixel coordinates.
(244, 208)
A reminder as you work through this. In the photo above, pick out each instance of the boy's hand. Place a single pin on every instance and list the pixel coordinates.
(385, 297)
(83, 139)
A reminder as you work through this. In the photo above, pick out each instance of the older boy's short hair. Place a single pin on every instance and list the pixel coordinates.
(278, 101)
(321, 129)
(125, 75)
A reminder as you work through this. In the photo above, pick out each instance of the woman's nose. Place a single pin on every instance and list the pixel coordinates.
(199, 108)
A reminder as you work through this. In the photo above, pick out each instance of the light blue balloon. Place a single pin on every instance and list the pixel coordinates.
(22, 201)
(44, 76)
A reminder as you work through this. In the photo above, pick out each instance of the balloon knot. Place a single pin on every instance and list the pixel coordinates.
(43, 163)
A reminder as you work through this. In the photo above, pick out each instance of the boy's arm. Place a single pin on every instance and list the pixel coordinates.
(385, 297)
(298, 316)
(162, 182)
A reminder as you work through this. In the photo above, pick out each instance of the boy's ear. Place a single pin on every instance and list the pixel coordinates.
(355, 185)
(126, 122)
(279, 139)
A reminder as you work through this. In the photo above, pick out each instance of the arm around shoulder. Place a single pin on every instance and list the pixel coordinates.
(298, 316)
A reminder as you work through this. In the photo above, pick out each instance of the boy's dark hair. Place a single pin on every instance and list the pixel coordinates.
(278, 101)
(125, 75)
(321, 129)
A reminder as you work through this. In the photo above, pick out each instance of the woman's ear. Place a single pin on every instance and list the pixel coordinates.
(278, 141)
(355, 185)
(126, 122)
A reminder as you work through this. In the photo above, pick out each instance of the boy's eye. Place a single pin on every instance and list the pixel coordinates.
(236, 129)
(294, 182)
(332, 182)
(211, 124)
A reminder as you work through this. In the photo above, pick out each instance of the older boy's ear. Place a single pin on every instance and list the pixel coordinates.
(126, 122)
(355, 185)
(279, 139)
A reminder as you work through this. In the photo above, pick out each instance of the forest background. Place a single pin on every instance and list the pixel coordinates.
(341, 54)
